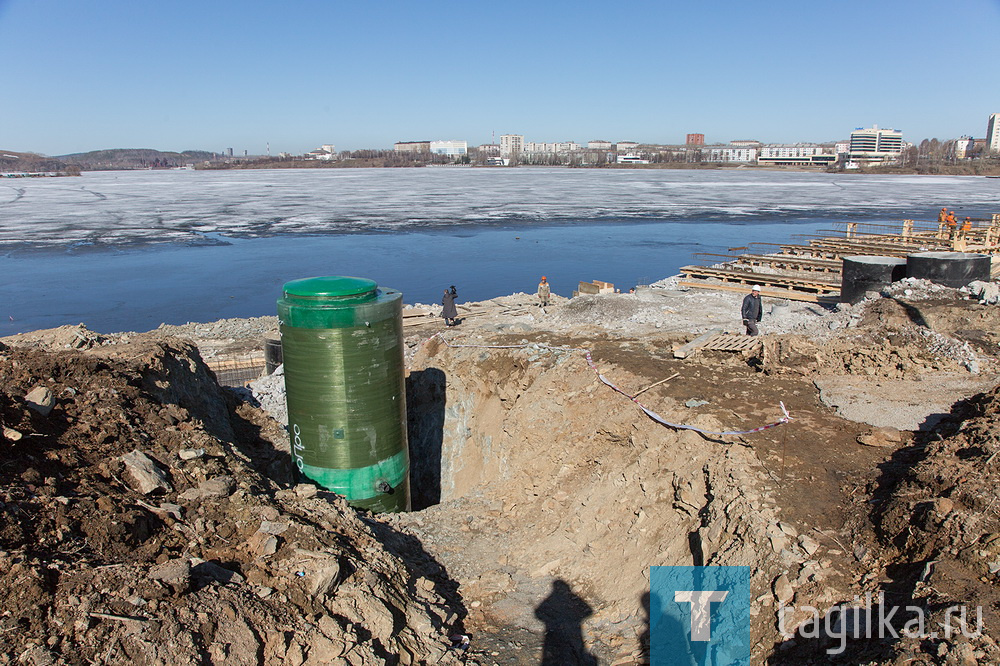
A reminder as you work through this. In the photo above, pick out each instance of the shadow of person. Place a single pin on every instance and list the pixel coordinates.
(563, 613)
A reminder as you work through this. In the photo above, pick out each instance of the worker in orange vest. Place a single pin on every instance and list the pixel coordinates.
(967, 224)
(952, 225)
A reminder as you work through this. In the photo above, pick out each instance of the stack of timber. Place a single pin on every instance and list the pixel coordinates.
(812, 271)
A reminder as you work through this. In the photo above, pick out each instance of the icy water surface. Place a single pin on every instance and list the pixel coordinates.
(129, 250)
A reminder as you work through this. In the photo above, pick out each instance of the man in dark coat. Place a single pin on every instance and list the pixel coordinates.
(448, 309)
(752, 310)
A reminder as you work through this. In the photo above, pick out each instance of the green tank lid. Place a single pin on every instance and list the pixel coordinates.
(331, 287)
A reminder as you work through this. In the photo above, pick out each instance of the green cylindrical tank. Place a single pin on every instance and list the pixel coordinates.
(342, 344)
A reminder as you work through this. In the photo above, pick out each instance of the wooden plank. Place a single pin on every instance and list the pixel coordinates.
(787, 294)
(764, 279)
(693, 346)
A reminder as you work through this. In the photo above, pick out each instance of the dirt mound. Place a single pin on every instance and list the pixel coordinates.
(136, 525)
(941, 529)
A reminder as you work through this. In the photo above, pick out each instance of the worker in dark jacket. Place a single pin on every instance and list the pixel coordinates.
(752, 310)
(448, 309)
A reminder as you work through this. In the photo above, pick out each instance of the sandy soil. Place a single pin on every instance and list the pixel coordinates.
(150, 508)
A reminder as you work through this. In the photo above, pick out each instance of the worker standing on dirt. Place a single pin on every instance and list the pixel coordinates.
(752, 310)
(544, 291)
(448, 309)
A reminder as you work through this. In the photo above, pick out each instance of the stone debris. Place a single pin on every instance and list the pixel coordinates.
(987, 293)
(41, 400)
(145, 475)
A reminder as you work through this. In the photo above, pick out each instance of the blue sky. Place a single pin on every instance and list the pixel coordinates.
(213, 74)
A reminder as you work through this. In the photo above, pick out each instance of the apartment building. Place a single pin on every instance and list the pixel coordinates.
(412, 147)
(993, 133)
(739, 154)
(796, 154)
(550, 148)
(511, 144)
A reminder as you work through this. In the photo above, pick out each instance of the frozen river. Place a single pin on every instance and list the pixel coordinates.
(129, 250)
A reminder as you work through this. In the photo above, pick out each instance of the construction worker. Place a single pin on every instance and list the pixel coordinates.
(544, 291)
(942, 219)
(967, 224)
(752, 310)
(951, 223)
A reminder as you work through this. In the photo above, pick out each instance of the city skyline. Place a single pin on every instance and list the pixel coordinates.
(246, 74)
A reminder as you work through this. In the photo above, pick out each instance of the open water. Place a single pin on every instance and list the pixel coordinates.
(129, 250)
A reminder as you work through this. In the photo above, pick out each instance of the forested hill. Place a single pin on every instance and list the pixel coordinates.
(11, 161)
(134, 158)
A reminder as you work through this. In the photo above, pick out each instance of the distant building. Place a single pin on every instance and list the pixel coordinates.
(695, 140)
(797, 154)
(489, 149)
(330, 148)
(993, 133)
(875, 146)
(536, 147)
(626, 146)
(963, 147)
(450, 148)
(321, 154)
(746, 143)
(740, 154)
(511, 144)
(599, 144)
(412, 147)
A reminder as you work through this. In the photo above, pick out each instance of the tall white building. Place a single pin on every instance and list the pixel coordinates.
(993, 134)
(875, 146)
(511, 144)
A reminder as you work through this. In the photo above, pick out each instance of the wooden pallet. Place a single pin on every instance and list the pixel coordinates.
(730, 342)
(715, 340)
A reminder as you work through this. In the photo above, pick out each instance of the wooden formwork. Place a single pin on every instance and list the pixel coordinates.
(811, 272)
(746, 277)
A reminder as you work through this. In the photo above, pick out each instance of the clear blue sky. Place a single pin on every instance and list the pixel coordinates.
(84, 75)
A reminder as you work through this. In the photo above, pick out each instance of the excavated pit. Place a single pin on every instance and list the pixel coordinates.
(548, 496)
